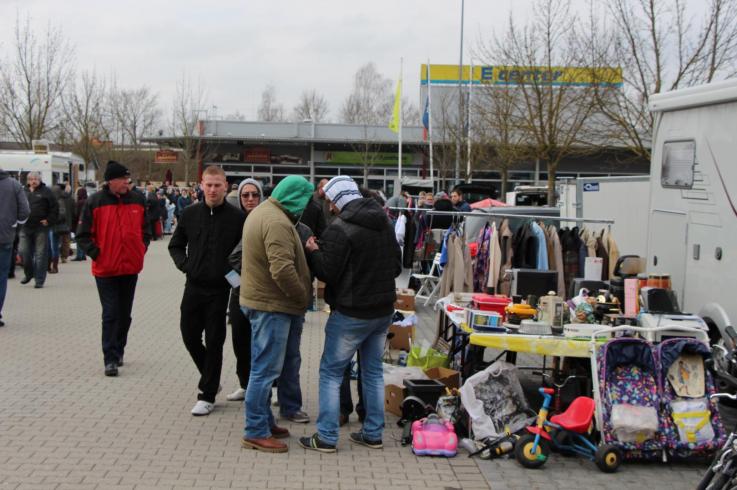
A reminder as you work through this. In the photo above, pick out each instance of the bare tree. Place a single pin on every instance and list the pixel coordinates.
(235, 116)
(136, 114)
(661, 45)
(269, 109)
(189, 99)
(311, 106)
(32, 82)
(552, 114)
(84, 113)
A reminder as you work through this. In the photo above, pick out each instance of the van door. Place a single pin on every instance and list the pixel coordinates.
(668, 234)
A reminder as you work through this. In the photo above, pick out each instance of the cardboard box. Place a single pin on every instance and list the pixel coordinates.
(405, 300)
(449, 377)
(393, 397)
(402, 336)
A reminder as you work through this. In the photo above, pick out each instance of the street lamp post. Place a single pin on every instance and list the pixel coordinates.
(460, 103)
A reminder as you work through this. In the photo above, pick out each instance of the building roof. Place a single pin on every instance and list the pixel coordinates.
(300, 133)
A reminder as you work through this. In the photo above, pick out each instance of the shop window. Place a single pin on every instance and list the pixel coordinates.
(679, 159)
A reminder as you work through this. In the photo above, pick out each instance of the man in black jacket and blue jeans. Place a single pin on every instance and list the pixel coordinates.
(205, 235)
(358, 258)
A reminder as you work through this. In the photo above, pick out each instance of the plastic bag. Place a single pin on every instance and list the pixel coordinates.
(395, 375)
(426, 357)
(495, 402)
(634, 423)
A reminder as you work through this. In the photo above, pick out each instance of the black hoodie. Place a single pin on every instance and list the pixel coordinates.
(358, 260)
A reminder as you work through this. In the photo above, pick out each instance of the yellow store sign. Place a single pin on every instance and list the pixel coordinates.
(518, 75)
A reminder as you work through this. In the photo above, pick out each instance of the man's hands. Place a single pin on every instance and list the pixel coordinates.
(44, 222)
(311, 244)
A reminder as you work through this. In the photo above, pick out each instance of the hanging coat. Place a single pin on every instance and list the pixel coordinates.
(504, 284)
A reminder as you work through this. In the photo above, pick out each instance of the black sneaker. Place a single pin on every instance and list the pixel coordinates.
(2, 323)
(111, 369)
(358, 438)
(26, 280)
(313, 442)
(120, 361)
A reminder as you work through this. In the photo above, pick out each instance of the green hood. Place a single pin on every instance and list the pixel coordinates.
(293, 193)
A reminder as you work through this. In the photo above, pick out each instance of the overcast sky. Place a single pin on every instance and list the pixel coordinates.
(237, 47)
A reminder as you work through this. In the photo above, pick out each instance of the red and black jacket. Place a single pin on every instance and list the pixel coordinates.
(114, 232)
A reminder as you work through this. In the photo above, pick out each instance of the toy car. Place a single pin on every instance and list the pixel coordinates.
(433, 436)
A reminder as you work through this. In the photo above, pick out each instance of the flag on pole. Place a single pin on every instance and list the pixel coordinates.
(426, 118)
(396, 113)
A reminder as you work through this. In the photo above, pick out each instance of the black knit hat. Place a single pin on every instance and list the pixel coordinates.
(115, 170)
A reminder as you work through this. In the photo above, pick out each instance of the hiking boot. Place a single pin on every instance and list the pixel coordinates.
(279, 432)
(267, 445)
(358, 438)
(315, 444)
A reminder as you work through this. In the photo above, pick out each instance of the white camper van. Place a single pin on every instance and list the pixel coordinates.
(692, 232)
(54, 166)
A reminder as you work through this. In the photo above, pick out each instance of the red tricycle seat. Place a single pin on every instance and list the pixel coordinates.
(578, 416)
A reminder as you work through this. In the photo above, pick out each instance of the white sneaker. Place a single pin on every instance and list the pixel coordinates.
(202, 408)
(237, 395)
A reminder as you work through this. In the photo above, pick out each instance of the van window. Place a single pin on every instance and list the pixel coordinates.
(679, 158)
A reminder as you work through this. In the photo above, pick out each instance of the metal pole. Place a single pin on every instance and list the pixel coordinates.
(468, 124)
(429, 126)
(460, 103)
(401, 63)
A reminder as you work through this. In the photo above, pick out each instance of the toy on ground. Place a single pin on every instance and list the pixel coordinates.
(568, 432)
(433, 436)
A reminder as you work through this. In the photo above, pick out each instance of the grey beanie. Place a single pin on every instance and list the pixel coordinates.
(253, 182)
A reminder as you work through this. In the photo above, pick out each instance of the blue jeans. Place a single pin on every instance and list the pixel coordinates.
(34, 243)
(272, 335)
(54, 245)
(6, 253)
(344, 335)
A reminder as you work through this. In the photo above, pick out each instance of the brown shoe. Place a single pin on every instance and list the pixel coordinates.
(279, 432)
(268, 445)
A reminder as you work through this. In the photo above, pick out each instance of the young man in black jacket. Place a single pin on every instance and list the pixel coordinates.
(358, 258)
(34, 236)
(206, 234)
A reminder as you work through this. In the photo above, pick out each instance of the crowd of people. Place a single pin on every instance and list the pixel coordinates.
(252, 264)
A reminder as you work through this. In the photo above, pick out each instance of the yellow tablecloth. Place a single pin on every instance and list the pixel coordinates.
(544, 345)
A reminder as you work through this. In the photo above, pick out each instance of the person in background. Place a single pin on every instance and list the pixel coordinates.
(250, 195)
(14, 211)
(358, 258)
(66, 238)
(114, 225)
(34, 236)
(276, 290)
(152, 212)
(206, 234)
(183, 201)
(61, 229)
(442, 203)
(456, 197)
(78, 208)
(232, 197)
(314, 215)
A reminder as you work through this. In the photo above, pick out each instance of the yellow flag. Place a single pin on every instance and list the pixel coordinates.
(394, 123)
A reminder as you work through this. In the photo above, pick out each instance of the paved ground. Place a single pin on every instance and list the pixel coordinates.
(64, 425)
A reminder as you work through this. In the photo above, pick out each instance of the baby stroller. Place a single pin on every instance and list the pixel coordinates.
(627, 397)
(690, 417)
(642, 411)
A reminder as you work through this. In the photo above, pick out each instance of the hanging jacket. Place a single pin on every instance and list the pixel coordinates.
(524, 244)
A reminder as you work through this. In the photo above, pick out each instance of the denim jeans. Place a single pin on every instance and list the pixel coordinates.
(344, 335)
(271, 334)
(289, 389)
(6, 254)
(116, 296)
(54, 245)
(34, 243)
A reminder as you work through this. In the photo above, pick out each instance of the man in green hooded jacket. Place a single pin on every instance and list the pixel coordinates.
(275, 294)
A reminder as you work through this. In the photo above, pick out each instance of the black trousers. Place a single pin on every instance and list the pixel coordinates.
(241, 336)
(203, 311)
(116, 296)
(346, 399)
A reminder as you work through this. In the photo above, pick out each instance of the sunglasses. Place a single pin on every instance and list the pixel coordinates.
(249, 195)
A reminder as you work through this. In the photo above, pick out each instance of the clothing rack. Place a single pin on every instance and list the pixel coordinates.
(481, 214)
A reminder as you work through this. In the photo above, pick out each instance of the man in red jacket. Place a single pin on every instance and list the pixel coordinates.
(114, 232)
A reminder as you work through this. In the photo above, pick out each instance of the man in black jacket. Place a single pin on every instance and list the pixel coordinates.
(34, 236)
(358, 258)
(206, 234)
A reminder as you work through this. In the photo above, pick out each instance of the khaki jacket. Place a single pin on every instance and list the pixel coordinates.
(275, 276)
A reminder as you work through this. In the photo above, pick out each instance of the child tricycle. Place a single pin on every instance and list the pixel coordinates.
(567, 433)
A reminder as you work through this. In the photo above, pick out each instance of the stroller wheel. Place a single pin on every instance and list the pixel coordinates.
(523, 451)
(608, 458)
